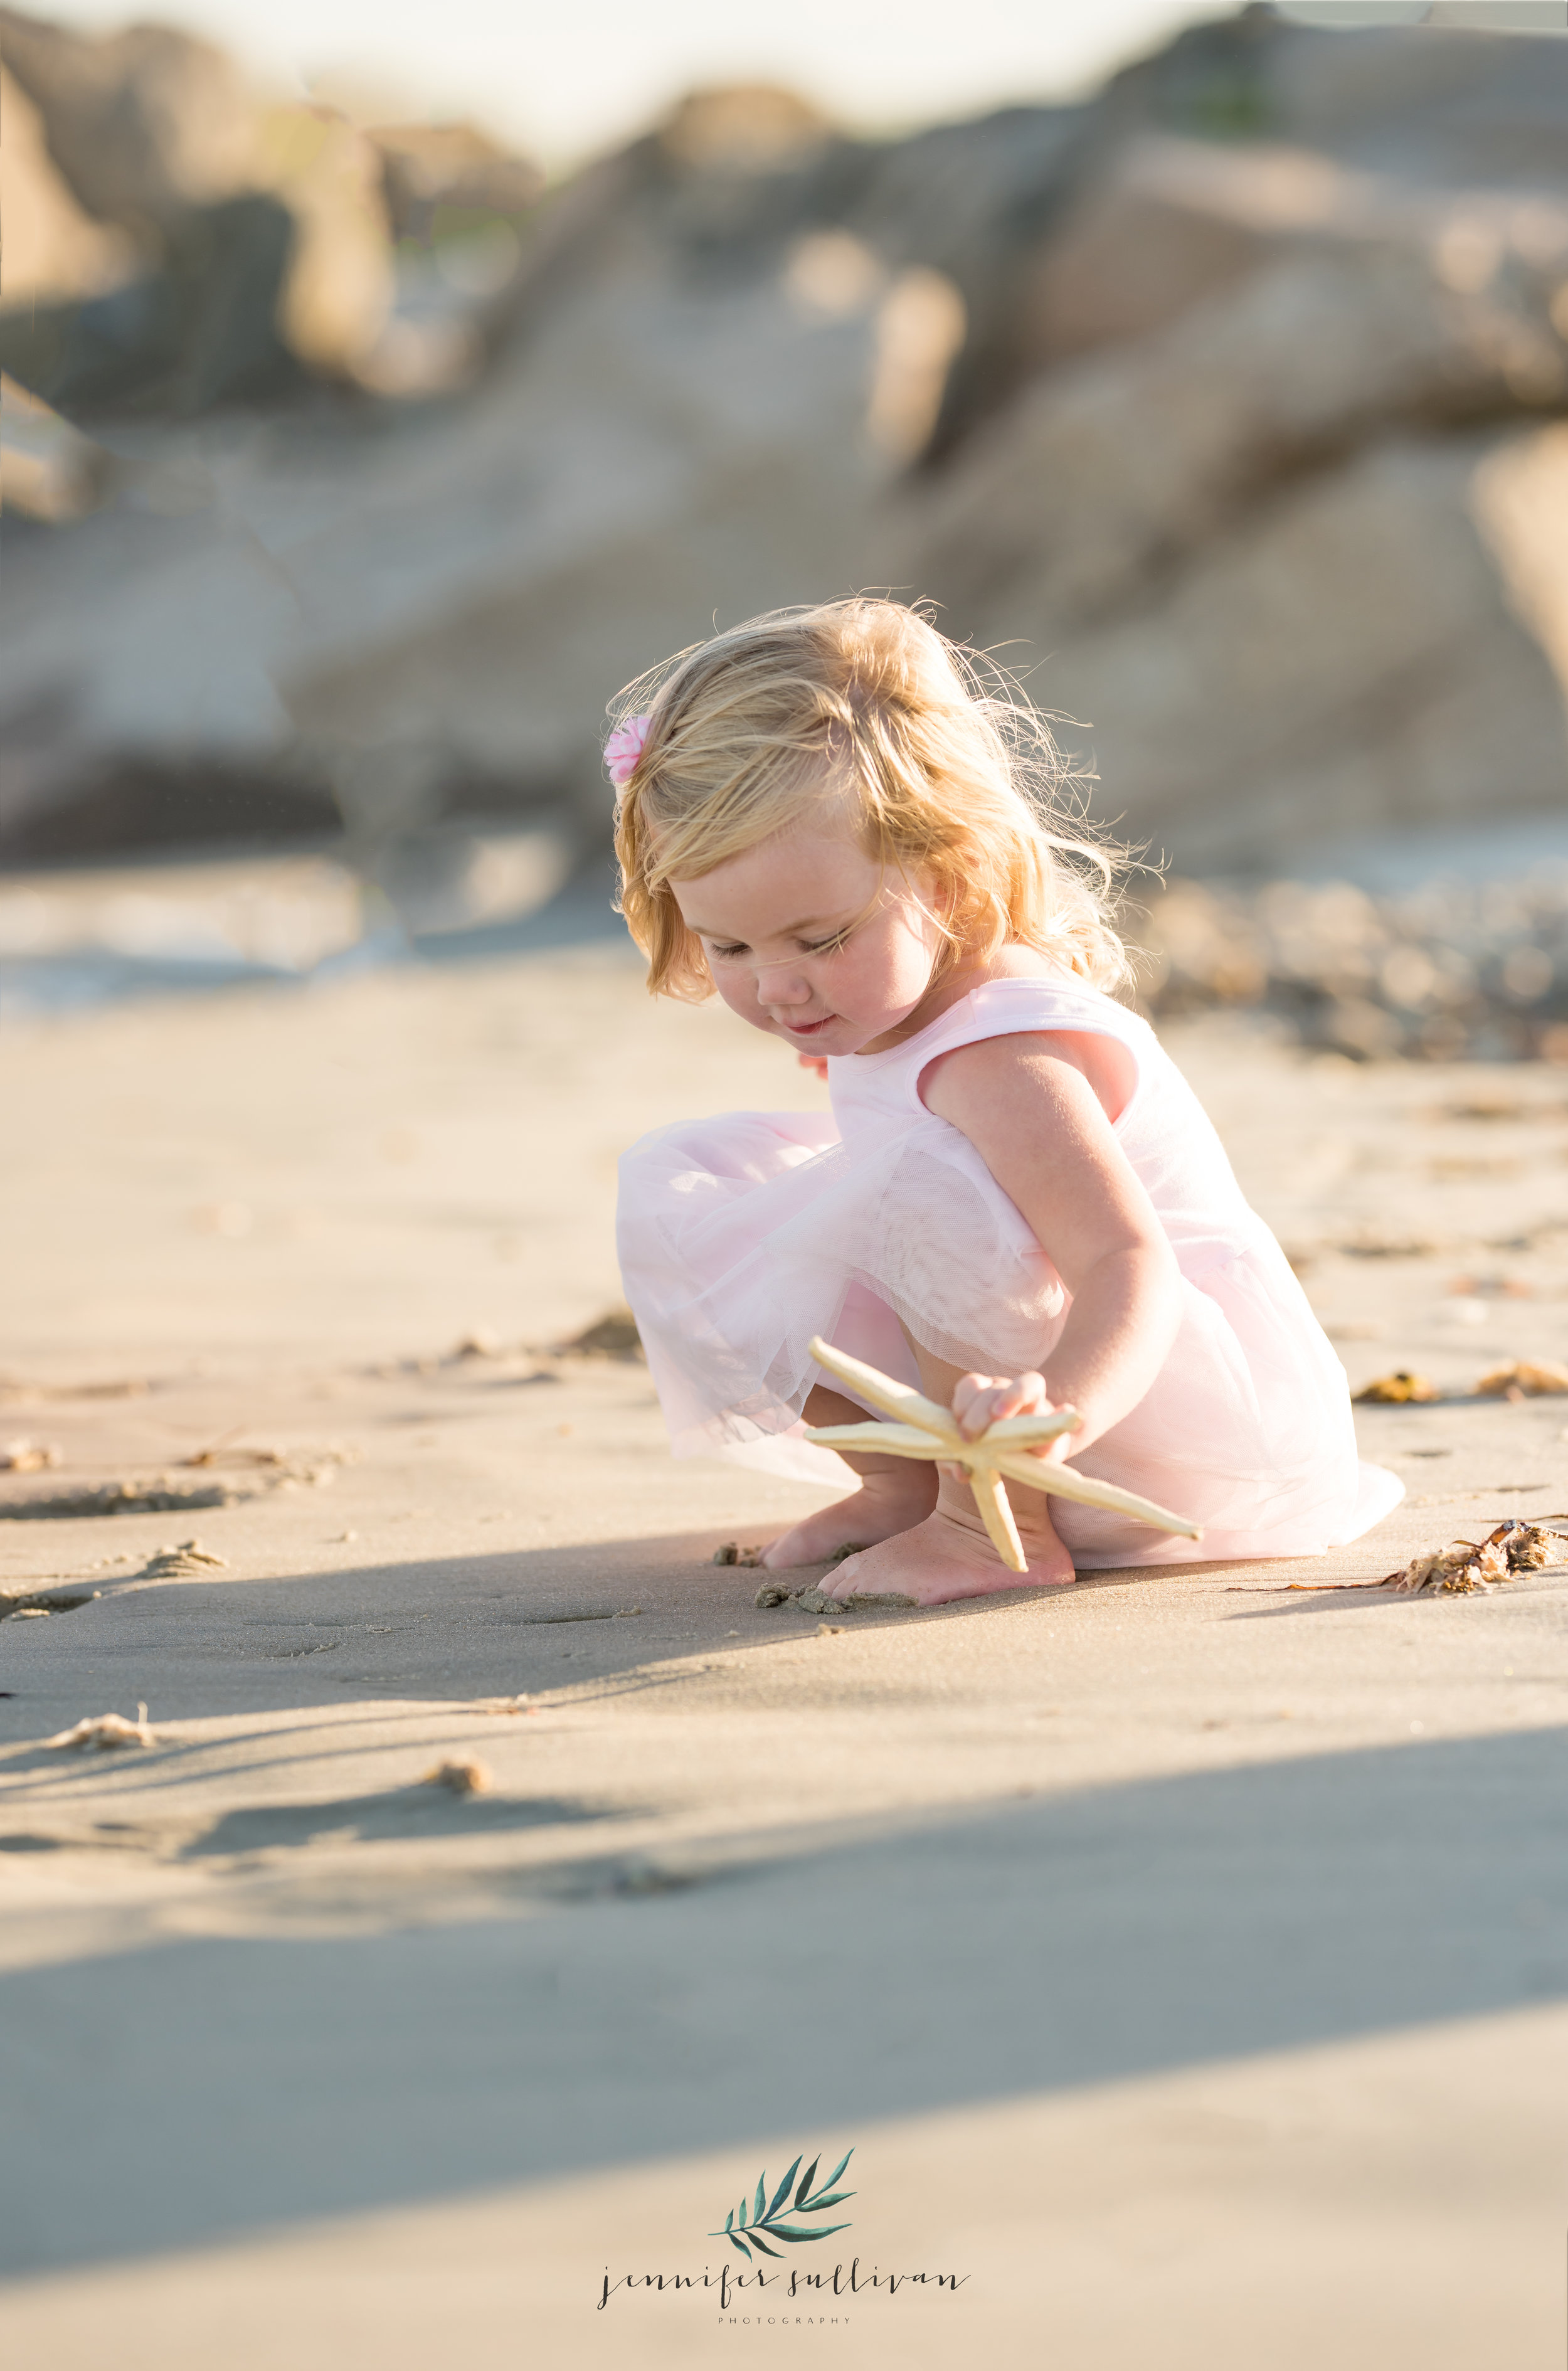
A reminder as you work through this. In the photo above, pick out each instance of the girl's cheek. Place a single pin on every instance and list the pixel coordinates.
(737, 989)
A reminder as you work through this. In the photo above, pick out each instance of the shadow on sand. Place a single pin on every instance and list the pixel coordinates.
(846, 1970)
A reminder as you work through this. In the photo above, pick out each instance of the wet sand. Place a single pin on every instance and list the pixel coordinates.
(1184, 1955)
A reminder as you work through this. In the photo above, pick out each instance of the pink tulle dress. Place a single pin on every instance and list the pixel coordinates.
(743, 1235)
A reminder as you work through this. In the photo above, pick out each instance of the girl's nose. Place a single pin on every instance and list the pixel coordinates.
(782, 987)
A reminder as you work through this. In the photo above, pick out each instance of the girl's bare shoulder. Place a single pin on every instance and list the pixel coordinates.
(1022, 1062)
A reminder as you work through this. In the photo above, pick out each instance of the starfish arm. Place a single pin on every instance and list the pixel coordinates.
(997, 1517)
(898, 1400)
(894, 1439)
(1065, 1483)
(1030, 1432)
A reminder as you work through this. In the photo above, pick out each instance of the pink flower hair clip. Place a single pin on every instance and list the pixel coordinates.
(624, 747)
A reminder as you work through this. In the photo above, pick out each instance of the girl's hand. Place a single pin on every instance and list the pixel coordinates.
(817, 1062)
(981, 1400)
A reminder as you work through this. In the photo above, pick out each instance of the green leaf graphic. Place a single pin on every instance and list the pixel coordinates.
(758, 2217)
(782, 2192)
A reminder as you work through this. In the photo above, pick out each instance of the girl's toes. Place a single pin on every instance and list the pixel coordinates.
(841, 1582)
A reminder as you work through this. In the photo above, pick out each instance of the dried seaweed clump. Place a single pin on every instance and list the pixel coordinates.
(1524, 1379)
(1401, 1389)
(1465, 1567)
(613, 1336)
(105, 1731)
(460, 1773)
(28, 1457)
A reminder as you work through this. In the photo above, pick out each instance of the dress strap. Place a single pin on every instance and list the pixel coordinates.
(1009, 1008)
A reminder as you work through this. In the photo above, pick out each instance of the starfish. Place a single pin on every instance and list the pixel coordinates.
(921, 1429)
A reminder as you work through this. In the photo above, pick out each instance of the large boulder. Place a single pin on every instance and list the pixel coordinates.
(1192, 164)
(668, 454)
(1162, 224)
(143, 124)
(338, 290)
(260, 234)
(48, 469)
(439, 180)
(437, 614)
(1438, 101)
(1382, 645)
(1236, 445)
(1101, 475)
(202, 329)
(53, 248)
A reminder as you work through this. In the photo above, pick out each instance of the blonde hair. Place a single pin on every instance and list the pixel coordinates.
(953, 772)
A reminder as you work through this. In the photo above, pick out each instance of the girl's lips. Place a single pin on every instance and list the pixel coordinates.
(807, 1028)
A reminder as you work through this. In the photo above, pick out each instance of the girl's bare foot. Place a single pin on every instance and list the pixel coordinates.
(895, 1492)
(949, 1555)
(886, 1502)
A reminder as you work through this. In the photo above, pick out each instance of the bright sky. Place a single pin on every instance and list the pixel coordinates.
(579, 75)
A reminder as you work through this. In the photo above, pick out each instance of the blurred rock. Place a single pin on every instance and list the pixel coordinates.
(258, 237)
(1139, 234)
(1227, 406)
(336, 295)
(53, 248)
(144, 125)
(434, 616)
(1273, 618)
(1426, 103)
(657, 449)
(1165, 223)
(200, 330)
(440, 179)
(1378, 645)
(1387, 310)
(48, 470)
(749, 129)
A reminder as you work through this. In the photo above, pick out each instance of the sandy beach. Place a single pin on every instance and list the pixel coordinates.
(1185, 1957)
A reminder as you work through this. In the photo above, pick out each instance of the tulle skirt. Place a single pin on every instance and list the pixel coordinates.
(743, 1236)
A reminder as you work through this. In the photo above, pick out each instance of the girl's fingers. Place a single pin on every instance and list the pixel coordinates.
(981, 1400)
(1025, 1395)
(971, 1402)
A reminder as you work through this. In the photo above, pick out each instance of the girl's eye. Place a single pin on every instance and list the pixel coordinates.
(728, 953)
(825, 946)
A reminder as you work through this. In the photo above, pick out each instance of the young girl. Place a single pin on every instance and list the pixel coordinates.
(1018, 1202)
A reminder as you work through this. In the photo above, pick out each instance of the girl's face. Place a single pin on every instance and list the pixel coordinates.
(809, 938)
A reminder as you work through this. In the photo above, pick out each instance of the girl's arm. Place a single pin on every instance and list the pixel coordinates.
(1028, 1106)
